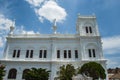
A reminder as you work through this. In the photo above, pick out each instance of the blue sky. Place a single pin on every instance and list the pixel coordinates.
(36, 16)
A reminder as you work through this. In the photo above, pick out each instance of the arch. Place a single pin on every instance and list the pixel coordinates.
(29, 47)
(91, 45)
(17, 47)
(12, 73)
(43, 47)
(88, 24)
(24, 72)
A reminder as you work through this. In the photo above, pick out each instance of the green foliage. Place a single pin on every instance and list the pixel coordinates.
(2, 71)
(37, 74)
(93, 69)
(66, 72)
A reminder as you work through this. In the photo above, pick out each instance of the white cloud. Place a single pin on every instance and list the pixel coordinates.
(113, 62)
(5, 23)
(35, 3)
(22, 31)
(49, 10)
(28, 32)
(111, 45)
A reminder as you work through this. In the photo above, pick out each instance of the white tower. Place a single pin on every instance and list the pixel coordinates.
(87, 26)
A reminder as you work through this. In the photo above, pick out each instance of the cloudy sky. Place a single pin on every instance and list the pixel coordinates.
(36, 16)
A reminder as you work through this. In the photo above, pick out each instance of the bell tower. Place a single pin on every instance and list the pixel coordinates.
(87, 26)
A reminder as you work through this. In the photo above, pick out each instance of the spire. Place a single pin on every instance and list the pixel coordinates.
(12, 27)
(54, 26)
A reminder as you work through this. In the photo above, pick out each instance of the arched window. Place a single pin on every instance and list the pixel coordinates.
(24, 72)
(88, 29)
(43, 54)
(12, 74)
(92, 50)
(91, 53)
(29, 54)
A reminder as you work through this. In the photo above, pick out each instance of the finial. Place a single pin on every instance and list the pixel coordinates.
(54, 22)
(78, 14)
(54, 26)
(12, 27)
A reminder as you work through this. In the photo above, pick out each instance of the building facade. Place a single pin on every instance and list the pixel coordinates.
(50, 51)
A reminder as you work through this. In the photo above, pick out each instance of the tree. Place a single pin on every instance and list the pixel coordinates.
(2, 71)
(37, 74)
(94, 70)
(66, 72)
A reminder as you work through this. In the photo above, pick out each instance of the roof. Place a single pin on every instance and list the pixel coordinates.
(113, 71)
(115, 76)
(43, 36)
(46, 36)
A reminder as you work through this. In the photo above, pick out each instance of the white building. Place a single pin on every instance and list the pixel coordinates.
(50, 51)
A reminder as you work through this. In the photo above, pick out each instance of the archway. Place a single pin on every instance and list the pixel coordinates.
(12, 73)
(24, 72)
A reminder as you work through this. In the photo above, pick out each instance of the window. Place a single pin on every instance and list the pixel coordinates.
(65, 54)
(76, 53)
(40, 54)
(43, 54)
(69, 53)
(29, 54)
(16, 53)
(88, 29)
(12, 74)
(58, 72)
(24, 72)
(91, 52)
(58, 53)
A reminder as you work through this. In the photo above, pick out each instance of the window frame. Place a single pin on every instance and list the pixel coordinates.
(12, 74)
(65, 53)
(76, 53)
(69, 53)
(58, 53)
(14, 53)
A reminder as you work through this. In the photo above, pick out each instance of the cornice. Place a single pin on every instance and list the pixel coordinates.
(38, 61)
(87, 17)
(44, 36)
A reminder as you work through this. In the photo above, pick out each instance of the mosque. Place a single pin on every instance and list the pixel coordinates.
(50, 51)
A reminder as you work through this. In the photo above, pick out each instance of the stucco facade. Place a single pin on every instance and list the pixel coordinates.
(50, 51)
